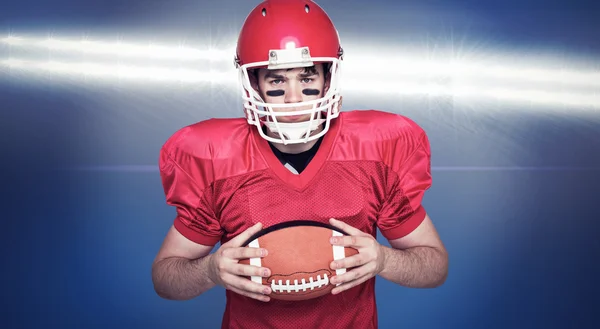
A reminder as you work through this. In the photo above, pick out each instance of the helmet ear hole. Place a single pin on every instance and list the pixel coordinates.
(264, 12)
(306, 8)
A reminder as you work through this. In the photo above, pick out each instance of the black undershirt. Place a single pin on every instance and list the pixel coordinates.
(298, 161)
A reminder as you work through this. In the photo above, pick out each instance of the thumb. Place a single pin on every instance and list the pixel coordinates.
(239, 240)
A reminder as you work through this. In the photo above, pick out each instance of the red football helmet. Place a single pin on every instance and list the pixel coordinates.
(283, 34)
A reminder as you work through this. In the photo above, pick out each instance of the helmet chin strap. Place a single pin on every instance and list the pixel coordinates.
(294, 130)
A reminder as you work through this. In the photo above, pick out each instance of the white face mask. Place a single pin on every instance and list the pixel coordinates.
(322, 110)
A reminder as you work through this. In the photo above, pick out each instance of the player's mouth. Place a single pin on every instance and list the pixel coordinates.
(300, 282)
(294, 118)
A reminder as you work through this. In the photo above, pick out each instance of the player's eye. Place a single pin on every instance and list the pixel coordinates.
(276, 81)
(307, 80)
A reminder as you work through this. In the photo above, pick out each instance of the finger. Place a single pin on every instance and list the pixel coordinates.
(249, 270)
(345, 227)
(354, 241)
(244, 252)
(245, 284)
(245, 235)
(259, 297)
(348, 276)
(350, 284)
(349, 262)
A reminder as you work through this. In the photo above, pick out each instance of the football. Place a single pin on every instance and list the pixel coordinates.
(299, 255)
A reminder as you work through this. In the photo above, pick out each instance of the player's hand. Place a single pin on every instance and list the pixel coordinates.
(366, 264)
(225, 269)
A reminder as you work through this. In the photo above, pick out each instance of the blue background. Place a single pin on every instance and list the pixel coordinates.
(515, 195)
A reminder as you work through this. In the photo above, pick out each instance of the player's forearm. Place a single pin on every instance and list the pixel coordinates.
(419, 267)
(181, 279)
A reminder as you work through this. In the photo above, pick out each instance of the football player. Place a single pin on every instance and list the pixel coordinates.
(294, 155)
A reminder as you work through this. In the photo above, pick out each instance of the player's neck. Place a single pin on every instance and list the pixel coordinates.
(295, 148)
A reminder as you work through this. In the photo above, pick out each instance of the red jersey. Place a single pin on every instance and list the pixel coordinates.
(370, 171)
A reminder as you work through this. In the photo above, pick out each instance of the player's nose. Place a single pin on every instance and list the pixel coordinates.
(293, 95)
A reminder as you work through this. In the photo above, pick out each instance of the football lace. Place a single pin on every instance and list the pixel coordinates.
(312, 284)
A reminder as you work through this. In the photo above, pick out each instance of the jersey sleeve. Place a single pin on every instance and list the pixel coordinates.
(409, 177)
(187, 186)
